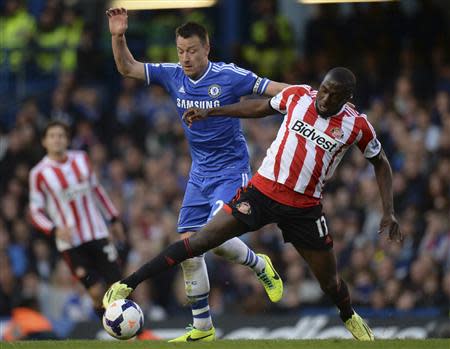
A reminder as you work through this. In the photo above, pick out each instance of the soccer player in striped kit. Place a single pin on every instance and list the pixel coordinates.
(317, 129)
(65, 198)
(220, 161)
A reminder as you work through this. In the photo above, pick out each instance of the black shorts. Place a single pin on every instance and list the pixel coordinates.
(303, 227)
(94, 261)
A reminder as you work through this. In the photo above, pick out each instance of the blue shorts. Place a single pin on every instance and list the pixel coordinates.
(205, 196)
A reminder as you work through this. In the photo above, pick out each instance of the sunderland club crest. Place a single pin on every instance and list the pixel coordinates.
(337, 133)
(244, 208)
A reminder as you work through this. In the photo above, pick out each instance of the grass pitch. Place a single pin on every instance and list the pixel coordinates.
(234, 344)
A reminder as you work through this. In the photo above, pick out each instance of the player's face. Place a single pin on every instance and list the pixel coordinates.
(55, 141)
(193, 55)
(330, 97)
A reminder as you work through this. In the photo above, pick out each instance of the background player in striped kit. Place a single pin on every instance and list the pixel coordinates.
(65, 198)
(319, 126)
(220, 162)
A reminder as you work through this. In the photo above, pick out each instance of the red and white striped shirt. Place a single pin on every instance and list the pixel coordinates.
(308, 148)
(67, 194)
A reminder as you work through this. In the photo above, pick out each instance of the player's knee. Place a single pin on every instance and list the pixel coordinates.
(96, 292)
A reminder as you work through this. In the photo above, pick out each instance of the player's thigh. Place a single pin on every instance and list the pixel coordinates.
(307, 230)
(222, 227)
(250, 207)
(305, 227)
(105, 261)
(79, 261)
(194, 210)
(224, 189)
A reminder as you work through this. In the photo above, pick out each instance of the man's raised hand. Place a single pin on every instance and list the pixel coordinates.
(118, 20)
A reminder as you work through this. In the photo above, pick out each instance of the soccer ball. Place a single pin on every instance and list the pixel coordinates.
(123, 319)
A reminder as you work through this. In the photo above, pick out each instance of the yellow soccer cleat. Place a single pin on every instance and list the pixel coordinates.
(115, 292)
(359, 329)
(271, 280)
(195, 335)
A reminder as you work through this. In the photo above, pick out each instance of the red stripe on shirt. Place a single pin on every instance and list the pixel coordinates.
(300, 150)
(87, 212)
(55, 199)
(335, 122)
(61, 178)
(367, 134)
(76, 215)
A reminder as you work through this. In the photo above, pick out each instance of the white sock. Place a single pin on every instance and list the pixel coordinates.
(196, 283)
(237, 251)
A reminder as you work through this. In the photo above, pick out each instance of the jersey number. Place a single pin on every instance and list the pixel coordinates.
(220, 203)
(111, 252)
(322, 226)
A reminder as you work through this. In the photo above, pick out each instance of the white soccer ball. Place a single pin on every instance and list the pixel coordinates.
(123, 319)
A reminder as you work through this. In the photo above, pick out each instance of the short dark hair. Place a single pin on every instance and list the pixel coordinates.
(56, 123)
(190, 29)
(344, 77)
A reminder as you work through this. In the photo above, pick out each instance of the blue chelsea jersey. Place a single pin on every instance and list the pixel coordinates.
(217, 144)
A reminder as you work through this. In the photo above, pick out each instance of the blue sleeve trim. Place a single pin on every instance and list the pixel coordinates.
(260, 85)
(264, 84)
(147, 73)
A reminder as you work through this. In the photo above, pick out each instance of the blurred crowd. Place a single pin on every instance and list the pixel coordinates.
(136, 144)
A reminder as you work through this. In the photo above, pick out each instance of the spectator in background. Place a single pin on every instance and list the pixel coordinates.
(17, 27)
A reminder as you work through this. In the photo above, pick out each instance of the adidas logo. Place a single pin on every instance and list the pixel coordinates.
(181, 90)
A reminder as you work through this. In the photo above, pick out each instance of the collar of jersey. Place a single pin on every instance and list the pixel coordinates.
(55, 162)
(204, 74)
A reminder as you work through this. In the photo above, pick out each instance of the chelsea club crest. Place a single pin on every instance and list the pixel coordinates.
(214, 91)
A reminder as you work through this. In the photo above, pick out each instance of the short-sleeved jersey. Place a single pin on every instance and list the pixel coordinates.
(217, 144)
(308, 147)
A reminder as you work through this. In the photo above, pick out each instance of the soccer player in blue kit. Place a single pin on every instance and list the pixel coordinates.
(220, 160)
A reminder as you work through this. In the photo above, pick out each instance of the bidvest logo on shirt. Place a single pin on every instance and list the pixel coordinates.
(76, 190)
(319, 138)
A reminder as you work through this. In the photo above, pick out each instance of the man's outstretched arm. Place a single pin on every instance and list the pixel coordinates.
(383, 173)
(125, 62)
(274, 88)
(248, 108)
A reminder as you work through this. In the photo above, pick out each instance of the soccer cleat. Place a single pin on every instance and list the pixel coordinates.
(359, 329)
(271, 280)
(195, 335)
(115, 292)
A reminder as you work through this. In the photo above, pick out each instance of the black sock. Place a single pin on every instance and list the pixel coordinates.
(341, 297)
(171, 256)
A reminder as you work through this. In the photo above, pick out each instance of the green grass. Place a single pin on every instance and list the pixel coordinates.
(234, 344)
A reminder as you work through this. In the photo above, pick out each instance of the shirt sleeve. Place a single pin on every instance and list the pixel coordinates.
(160, 73)
(246, 82)
(281, 101)
(39, 218)
(367, 140)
